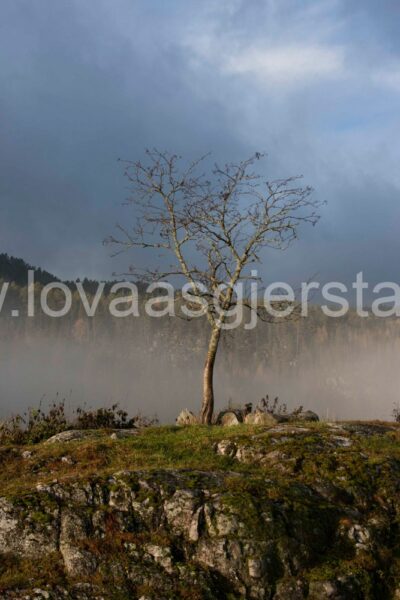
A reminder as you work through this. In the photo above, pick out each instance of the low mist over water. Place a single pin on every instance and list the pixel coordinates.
(339, 369)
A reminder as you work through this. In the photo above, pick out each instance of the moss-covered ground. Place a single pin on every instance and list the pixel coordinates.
(370, 457)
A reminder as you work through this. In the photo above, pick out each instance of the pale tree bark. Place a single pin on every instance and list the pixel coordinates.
(207, 407)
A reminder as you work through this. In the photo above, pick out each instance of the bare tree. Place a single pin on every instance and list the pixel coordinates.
(215, 228)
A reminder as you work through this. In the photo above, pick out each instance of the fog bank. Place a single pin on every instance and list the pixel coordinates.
(337, 381)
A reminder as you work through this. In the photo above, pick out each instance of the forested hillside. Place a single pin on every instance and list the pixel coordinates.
(16, 270)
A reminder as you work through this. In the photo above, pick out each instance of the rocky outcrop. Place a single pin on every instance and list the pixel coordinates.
(156, 526)
(77, 435)
(306, 516)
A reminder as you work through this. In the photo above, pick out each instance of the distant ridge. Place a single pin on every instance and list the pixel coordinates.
(15, 270)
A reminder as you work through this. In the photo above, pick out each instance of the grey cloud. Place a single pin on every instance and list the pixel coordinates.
(84, 83)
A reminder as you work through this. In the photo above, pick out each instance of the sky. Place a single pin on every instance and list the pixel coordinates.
(314, 83)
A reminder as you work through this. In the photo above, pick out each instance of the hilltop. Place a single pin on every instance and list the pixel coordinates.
(15, 270)
(289, 511)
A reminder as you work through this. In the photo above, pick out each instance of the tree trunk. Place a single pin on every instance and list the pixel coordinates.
(207, 408)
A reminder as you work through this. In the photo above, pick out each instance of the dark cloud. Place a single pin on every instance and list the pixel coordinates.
(84, 83)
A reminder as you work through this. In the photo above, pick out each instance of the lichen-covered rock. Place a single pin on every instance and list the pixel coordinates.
(282, 513)
(259, 417)
(162, 555)
(246, 540)
(180, 510)
(186, 417)
(226, 448)
(306, 415)
(119, 434)
(72, 435)
(255, 455)
(74, 530)
(28, 526)
(342, 587)
(291, 589)
(228, 418)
